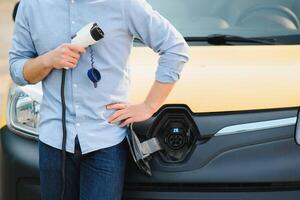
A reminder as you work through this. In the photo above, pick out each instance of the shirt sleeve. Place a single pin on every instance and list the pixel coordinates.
(146, 24)
(22, 48)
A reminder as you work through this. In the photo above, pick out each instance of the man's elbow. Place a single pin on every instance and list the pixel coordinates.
(179, 51)
(16, 72)
(185, 51)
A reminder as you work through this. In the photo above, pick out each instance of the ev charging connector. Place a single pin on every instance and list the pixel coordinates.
(88, 35)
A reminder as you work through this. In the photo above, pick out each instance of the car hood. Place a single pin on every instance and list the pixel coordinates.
(226, 78)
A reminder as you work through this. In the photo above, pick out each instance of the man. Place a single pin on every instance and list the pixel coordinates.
(96, 117)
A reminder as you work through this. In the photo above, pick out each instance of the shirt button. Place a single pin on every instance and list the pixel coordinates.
(73, 22)
(78, 124)
(76, 106)
(75, 85)
(73, 1)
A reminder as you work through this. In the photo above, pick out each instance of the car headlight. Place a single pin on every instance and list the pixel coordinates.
(23, 109)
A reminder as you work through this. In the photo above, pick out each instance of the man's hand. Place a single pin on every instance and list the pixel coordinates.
(64, 56)
(129, 113)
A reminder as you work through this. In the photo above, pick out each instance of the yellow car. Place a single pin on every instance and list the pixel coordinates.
(227, 130)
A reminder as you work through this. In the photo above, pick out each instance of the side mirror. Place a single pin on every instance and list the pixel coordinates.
(15, 11)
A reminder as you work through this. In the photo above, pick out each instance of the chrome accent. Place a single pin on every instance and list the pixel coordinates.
(257, 126)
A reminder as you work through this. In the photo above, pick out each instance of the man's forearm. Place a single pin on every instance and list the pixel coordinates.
(158, 94)
(36, 69)
(64, 56)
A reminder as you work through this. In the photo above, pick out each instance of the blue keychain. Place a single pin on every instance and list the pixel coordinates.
(93, 74)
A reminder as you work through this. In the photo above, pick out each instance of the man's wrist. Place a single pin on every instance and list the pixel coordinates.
(46, 62)
(152, 107)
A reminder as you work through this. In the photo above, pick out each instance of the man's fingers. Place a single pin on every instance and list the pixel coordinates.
(65, 65)
(76, 48)
(72, 60)
(73, 54)
(126, 122)
(120, 117)
(115, 115)
(117, 106)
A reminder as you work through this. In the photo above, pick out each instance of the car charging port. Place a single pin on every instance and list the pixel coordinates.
(176, 139)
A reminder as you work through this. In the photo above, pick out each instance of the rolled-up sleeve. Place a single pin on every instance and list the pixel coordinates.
(22, 48)
(146, 24)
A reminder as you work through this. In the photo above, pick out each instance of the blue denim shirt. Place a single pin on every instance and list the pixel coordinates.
(42, 25)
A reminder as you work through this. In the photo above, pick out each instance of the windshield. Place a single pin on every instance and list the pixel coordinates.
(246, 18)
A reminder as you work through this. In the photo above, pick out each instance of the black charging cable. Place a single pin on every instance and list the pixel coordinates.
(95, 76)
(64, 140)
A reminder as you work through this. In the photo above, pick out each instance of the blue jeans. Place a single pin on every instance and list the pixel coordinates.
(98, 175)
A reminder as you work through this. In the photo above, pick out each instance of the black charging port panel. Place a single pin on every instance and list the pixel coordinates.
(177, 133)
